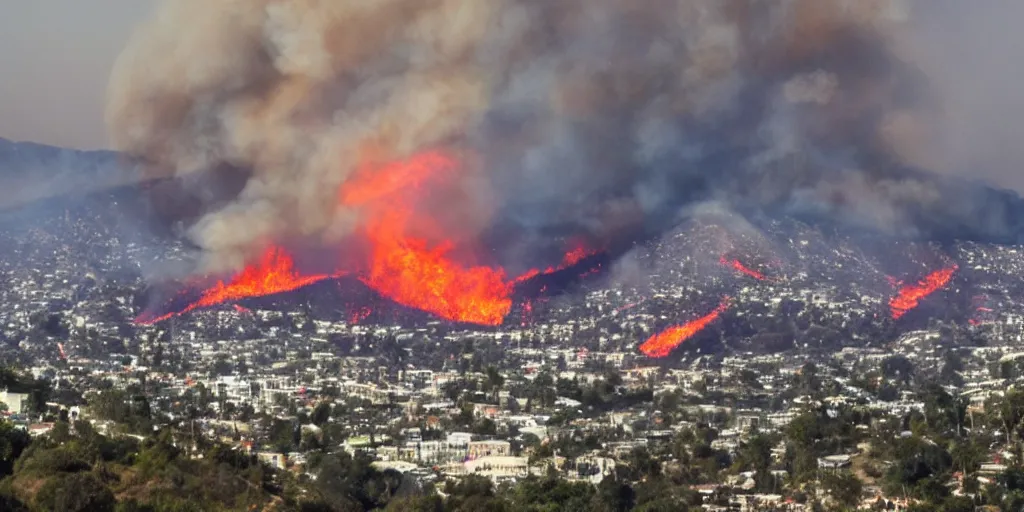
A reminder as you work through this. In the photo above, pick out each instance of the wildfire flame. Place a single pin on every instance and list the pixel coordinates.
(404, 267)
(909, 296)
(740, 267)
(571, 258)
(664, 342)
(409, 269)
(273, 273)
(359, 315)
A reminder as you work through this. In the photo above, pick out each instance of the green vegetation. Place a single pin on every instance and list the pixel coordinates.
(931, 455)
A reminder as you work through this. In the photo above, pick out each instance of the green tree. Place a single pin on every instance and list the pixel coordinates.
(899, 368)
(494, 382)
(74, 492)
(640, 465)
(429, 503)
(844, 488)
(13, 441)
(321, 414)
(957, 504)
(222, 367)
(1008, 411)
(755, 454)
(613, 495)
(471, 494)
(550, 494)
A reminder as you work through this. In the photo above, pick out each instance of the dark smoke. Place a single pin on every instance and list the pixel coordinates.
(599, 116)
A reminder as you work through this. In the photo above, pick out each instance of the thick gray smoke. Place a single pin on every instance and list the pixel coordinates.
(586, 113)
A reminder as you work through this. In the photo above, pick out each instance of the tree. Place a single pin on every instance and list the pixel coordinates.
(222, 367)
(429, 503)
(957, 504)
(484, 426)
(967, 457)
(473, 493)
(321, 414)
(807, 378)
(614, 495)
(898, 367)
(844, 488)
(749, 379)
(13, 442)
(919, 466)
(75, 492)
(1009, 411)
(755, 454)
(640, 465)
(61, 432)
(552, 493)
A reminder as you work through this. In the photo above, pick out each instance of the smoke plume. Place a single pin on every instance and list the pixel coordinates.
(596, 115)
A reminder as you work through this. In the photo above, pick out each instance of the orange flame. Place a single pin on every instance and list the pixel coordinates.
(909, 296)
(359, 315)
(571, 258)
(664, 342)
(740, 267)
(273, 273)
(411, 273)
(406, 268)
(409, 269)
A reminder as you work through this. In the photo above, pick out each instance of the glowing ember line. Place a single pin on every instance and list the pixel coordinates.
(570, 259)
(909, 296)
(740, 267)
(629, 306)
(664, 342)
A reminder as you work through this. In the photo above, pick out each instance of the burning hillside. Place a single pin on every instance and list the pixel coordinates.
(908, 296)
(412, 258)
(436, 150)
(600, 117)
(273, 273)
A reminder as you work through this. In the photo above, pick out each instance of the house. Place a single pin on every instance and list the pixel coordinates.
(478, 449)
(16, 402)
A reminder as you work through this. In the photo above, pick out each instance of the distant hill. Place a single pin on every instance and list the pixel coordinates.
(30, 171)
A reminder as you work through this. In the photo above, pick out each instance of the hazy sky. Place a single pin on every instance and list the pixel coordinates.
(55, 59)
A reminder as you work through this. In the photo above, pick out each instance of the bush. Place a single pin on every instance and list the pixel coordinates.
(62, 459)
(75, 492)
